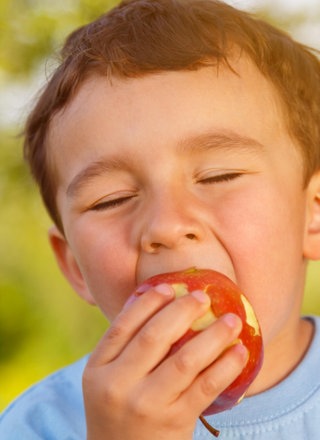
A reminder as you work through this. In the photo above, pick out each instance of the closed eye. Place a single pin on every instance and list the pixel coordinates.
(109, 204)
(217, 178)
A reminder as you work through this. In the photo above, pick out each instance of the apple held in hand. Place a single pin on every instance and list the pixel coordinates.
(225, 297)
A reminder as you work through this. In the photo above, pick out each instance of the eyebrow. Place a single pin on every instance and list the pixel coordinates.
(220, 140)
(94, 170)
(225, 140)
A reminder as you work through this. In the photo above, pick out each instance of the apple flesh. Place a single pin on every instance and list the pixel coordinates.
(225, 297)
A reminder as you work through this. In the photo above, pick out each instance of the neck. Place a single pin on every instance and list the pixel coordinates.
(282, 356)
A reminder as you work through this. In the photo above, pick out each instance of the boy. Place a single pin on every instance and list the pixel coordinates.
(180, 133)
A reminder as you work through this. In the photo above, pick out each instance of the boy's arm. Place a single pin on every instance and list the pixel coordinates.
(133, 391)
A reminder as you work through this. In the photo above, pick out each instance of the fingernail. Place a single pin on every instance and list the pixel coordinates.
(143, 288)
(200, 296)
(231, 320)
(164, 289)
(242, 351)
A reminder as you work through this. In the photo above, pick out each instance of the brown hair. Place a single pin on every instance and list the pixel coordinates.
(140, 37)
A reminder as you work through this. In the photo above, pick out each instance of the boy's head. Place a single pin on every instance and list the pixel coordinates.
(141, 37)
(180, 134)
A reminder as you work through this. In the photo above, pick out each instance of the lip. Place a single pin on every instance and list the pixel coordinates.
(163, 269)
(180, 268)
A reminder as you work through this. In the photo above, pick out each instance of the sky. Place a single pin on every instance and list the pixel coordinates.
(281, 5)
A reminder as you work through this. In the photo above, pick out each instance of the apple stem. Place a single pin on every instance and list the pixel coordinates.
(210, 428)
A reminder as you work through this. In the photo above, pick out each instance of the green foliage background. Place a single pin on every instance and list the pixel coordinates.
(43, 324)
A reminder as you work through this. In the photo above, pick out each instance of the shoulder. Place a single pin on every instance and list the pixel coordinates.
(45, 409)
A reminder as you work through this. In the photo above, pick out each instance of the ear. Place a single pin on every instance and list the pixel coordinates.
(68, 264)
(312, 235)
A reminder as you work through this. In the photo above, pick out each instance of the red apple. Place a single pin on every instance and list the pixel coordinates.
(225, 297)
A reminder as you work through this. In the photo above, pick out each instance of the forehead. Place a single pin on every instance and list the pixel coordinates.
(160, 109)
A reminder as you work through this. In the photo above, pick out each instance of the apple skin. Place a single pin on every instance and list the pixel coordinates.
(226, 297)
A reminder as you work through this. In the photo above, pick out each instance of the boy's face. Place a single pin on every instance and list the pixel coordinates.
(181, 169)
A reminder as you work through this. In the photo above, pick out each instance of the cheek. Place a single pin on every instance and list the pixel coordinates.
(263, 238)
(264, 223)
(108, 267)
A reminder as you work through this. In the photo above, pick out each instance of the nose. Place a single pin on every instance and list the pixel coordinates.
(171, 222)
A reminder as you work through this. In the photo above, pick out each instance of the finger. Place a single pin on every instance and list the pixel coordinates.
(216, 378)
(129, 321)
(177, 373)
(154, 340)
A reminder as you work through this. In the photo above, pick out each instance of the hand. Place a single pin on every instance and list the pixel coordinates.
(133, 391)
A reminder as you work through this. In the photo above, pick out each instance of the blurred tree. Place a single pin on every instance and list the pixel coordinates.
(32, 29)
(42, 325)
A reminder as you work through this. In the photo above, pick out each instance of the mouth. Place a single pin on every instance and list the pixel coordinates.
(162, 269)
(178, 260)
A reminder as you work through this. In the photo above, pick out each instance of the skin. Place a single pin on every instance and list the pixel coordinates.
(195, 169)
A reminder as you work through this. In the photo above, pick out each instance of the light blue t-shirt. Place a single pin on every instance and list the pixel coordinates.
(53, 409)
